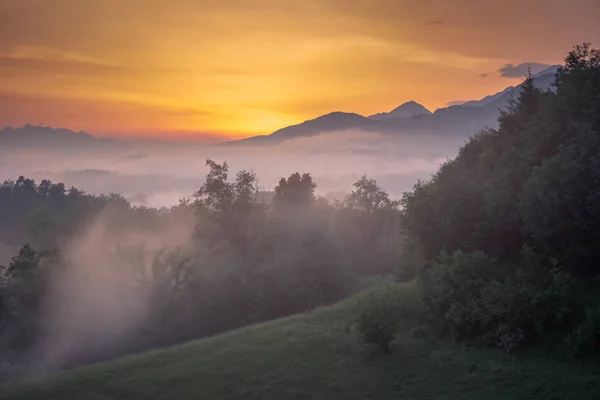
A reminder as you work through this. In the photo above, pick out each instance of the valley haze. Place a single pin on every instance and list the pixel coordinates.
(396, 148)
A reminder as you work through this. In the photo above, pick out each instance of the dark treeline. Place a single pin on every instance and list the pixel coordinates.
(92, 277)
(506, 235)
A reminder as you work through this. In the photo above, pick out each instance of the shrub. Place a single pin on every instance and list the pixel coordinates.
(378, 317)
(585, 338)
(456, 321)
(509, 339)
(470, 295)
(448, 287)
(520, 309)
(384, 310)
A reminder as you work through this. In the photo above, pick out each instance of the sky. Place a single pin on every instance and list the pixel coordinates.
(237, 68)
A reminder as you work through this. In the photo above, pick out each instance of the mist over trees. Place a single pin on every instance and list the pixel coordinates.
(502, 243)
(94, 277)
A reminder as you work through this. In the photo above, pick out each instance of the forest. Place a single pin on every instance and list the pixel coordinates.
(95, 278)
(501, 248)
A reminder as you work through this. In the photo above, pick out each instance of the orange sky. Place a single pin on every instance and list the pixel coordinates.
(244, 67)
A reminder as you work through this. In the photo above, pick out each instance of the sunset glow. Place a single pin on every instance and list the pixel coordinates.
(238, 68)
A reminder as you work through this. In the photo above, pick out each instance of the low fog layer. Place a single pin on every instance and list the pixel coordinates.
(159, 174)
(92, 303)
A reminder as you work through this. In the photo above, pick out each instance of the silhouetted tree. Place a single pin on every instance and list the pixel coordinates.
(227, 210)
(295, 191)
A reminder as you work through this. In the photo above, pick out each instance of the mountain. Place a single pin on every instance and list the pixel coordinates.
(406, 110)
(334, 121)
(463, 119)
(488, 99)
(542, 80)
(44, 136)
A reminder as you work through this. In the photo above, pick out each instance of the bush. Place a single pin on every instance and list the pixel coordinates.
(378, 317)
(471, 296)
(447, 288)
(384, 310)
(585, 338)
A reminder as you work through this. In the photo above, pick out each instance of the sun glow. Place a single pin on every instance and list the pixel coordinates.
(223, 67)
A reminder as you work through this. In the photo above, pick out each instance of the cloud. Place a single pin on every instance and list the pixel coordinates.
(49, 53)
(445, 58)
(435, 22)
(520, 70)
(455, 103)
(483, 75)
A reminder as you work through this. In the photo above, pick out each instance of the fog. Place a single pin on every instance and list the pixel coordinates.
(101, 297)
(104, 293)
(159, 174)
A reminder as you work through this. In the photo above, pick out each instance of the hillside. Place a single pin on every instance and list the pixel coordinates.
(312, 356)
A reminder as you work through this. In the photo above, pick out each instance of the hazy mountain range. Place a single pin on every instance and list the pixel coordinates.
(397, 148)
(463, 119)
(40, 136)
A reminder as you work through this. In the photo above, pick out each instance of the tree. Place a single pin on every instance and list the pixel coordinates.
(227, 211)
(25, 264)
(503, 191)
(22, 291)
(581, 59)
(367, 222)
(295, 191)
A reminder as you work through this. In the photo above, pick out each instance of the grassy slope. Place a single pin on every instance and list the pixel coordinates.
(313, 357)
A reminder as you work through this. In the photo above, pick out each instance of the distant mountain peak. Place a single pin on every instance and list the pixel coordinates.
(46, 136)
(542, 80)
(405, 110)
(411, 107)
(336, 120)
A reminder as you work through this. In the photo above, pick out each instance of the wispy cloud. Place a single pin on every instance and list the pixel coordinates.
(53, 54)
(519, 70)
(448, 59)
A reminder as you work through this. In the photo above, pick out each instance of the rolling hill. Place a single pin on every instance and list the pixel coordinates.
(316, 356)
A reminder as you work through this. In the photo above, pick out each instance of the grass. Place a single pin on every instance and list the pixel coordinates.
(313, 356)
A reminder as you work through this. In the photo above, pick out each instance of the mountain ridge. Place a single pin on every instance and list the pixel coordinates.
(410, 116)
(460, 119)
(406, 110)
(47, 136)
